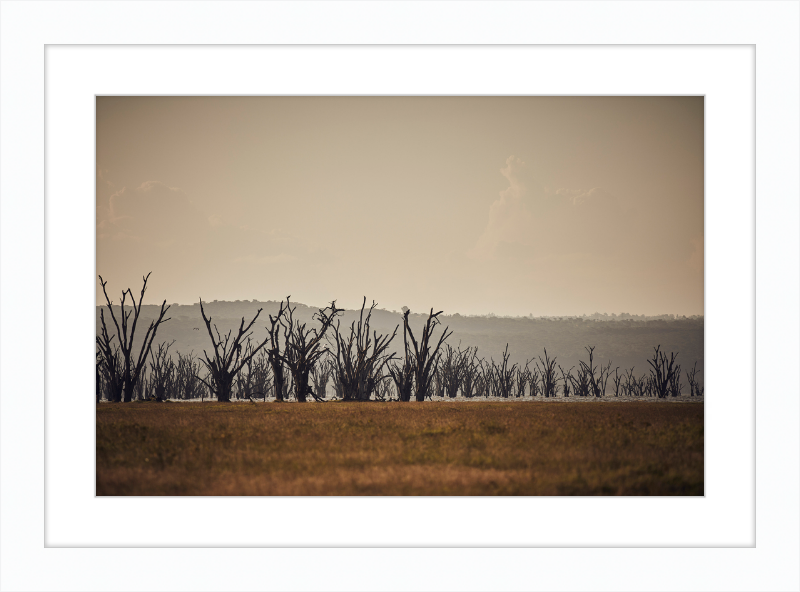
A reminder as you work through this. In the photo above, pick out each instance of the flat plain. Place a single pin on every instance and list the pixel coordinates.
(375, 448)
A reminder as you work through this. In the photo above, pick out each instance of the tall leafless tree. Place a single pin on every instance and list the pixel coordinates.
(503, 376)
(566, 380)
(262, 374)
(694, 387)
(187, 370)
(131, 367)
(304, 347)
(597, 377)
(229, 357)
(403, 375)
(675, 385)
(361, 357)
(452, 367)
(662, 371)
(617, 382)
(522, 379)
(470, 376)
(423, 360)
(162, 371)
(549, 378)
(276, 361)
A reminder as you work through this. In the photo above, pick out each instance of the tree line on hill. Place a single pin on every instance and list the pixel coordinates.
(298, 359)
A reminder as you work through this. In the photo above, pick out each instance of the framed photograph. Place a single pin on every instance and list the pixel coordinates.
(747, 541)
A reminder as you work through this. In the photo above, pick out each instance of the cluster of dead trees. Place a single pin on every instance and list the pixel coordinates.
(297, 361)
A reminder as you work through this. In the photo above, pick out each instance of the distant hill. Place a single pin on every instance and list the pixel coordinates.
(626, 340)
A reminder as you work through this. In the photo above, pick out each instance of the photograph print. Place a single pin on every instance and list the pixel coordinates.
(399, 295)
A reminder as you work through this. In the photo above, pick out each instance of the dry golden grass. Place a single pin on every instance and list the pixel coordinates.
(475, 448)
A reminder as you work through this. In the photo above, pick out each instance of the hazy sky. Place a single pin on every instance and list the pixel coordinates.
(509, 205)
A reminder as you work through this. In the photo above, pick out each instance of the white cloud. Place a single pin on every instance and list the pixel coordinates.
(527, 221)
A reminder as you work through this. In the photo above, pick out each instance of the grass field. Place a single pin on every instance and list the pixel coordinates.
(474, 448)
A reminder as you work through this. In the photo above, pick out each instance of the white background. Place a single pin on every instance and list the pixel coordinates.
(723, 518)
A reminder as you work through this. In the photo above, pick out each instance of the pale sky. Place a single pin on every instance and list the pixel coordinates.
(471, 205)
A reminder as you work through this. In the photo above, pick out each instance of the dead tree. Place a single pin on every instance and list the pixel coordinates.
(403, 375)
(617, 382)
(162, 371)
(566, 380)
(110, 366)
(253, 380)
(229, 357)
(522, 378)
(403, 378)
(536, 383)
(596, 377)
(320, 376)
(581, 384)
(452, 367)
(470, 377)
(483, 381)
(187, 371)
(675, 385)
(631, 384)
(275, 356)
(438, 383)
(424, 360)
(98, 380)
(383, 387)
(357, 366)
(261, 375)
(646, 386)
(131, 367)
(549, 378)
(662, 371)
(338, 389)
(504, 376)
(304, 347)
(694, 387)
(602, 380)
(243, 383)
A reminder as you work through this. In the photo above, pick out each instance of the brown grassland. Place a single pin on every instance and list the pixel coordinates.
(473, 448)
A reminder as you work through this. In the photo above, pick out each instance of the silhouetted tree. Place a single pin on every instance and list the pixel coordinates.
(423, 360)
(662, 371)
(549, 378)
(130, 368)
(109, 367)
(566, 380)
(522, 378)
(503, 376)
(358, 368)
(189, 385)
(162, 371)
(675, 385)
(617, 382)
(694, 387)
(320, 376)
(275, 356)
(597, 378)
(228, 356)
(470, 375)
(304, 347)
(403, 375)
